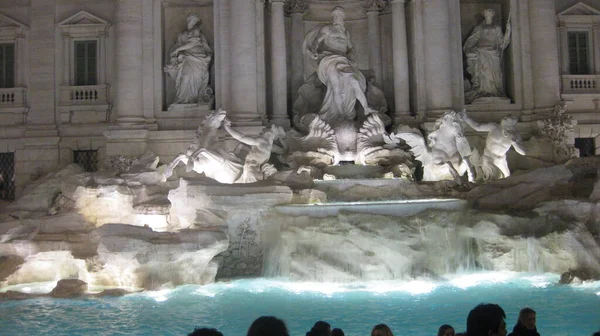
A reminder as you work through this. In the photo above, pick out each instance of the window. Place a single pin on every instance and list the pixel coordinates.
(88, 159)
(586, 146)
(579, 63)
(7, 174)
(85, 63)
(7, 65)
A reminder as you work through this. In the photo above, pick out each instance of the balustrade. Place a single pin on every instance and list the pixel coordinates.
(84, 95)
(12, 97)
(580, 83)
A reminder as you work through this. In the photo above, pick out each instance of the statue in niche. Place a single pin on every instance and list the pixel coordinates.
(327, 119)
(446, 154)
(492, 164)
(208, 155)
(483, 50)
(189, 64)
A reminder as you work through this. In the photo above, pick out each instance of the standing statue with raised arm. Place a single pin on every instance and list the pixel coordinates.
(501, 137)
(260, 151)
(483, 51)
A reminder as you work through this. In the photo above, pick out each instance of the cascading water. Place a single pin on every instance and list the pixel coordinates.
(434, 243)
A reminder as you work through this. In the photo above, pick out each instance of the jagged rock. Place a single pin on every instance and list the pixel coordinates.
(113, 292)
(595, 195)
(9, 264)
(577, 276)
(39, 195)
(15, 295)
(68, 288)
(310, 196)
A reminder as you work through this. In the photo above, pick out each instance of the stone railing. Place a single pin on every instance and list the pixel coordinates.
(12, 97)
(84, 95)
(581, 84)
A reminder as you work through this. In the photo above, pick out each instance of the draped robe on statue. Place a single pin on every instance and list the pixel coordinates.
(484, 48)
(190, 67)
(339, 105)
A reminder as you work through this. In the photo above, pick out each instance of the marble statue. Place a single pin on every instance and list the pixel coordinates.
(492, 164)
(446, 155)
(331, 46)
(189, 64)
(208, 155)
(327, 119)
(483, 51)
(258, 155)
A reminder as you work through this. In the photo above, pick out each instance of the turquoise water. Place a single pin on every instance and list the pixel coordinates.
(409, 308)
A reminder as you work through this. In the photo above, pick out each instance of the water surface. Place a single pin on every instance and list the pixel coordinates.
(409, 308)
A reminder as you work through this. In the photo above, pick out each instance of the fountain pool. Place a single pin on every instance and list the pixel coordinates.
(409, 308)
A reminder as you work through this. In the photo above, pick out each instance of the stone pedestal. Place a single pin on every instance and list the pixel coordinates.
(127, 142)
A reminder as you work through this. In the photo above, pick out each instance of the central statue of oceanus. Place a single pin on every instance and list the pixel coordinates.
(339, 114)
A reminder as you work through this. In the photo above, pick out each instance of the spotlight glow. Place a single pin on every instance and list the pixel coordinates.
(160, 295)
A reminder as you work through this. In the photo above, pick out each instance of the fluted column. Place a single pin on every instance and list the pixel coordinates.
(278, 65)
(295, 9)
(102, 58)
(66, 77)
(564, 49)
(128, 59)
(544, 53)
(243, 57)
(596, 43)
(400, 66)
(129, 136)
(373, 9)
(438, 60)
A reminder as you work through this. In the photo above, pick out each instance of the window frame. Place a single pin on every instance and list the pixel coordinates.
(14, 32)
(3, 68)
(75, 79)
(579, 18)
(588, 52)
(83, 26)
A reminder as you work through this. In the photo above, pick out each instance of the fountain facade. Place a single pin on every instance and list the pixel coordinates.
(326, 188)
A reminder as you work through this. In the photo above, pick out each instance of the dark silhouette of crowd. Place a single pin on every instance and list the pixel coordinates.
(486, 319)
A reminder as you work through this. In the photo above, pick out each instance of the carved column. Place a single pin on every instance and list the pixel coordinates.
(400, 66)
(66, 39)
(128, 59)
(278, 65)
(438, 59)
(373, 8)
(129, 136)
(596, 50)
(102, 58)
(19, 57)
(544, 57)
(243, 57)
(564, 49)
(295, 9)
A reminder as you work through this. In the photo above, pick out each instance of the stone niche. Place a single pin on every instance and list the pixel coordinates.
(470, 17)
(174, 14)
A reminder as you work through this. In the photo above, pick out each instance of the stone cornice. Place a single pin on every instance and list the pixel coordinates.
(295, 6)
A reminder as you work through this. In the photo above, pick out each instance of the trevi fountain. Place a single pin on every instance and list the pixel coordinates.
(342, 212)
